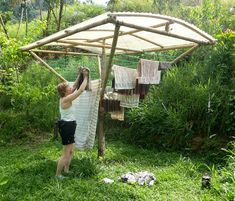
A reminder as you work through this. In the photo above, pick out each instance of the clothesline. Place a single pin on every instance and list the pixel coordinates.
(131, 62)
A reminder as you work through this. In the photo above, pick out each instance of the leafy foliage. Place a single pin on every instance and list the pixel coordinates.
(194, 102)
(224, 179)
(32, 103)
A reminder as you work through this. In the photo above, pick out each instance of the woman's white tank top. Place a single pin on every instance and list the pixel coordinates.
(67, 114)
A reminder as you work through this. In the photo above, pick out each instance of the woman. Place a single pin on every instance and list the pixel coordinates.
(67, 124)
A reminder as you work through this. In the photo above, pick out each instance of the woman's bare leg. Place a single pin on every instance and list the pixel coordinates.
(64, 159)
(66, 167)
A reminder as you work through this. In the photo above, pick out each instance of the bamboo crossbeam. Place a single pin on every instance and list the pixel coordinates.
(160, 50)
(47, 66)
(164, 18)
(64, 52)
(96, 45)
(185, 54)
(128, 32)
(148, 29)
(65, 34)
(109, 30)
(149, 41)
(170, 48)
(75, 38)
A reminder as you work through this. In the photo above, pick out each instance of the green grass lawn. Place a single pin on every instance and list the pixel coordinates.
(27, 173)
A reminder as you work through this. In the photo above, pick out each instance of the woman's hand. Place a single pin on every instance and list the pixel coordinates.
(85, 72)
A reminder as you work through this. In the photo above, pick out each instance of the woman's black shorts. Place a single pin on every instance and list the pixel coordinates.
(67, 131)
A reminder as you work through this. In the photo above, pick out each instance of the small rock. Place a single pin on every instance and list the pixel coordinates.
(107, 180)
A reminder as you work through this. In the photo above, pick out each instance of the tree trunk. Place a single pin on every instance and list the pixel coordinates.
(48, 19)
(3, 26)
(40, 9)
(60, 14)
(21, 18)
(26, 19)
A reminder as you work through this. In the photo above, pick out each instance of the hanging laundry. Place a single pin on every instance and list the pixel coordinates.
(129, 101)
(86, 115)
(141, 89)
(148, 72)
(118, 115)
(125, 78)
(111, 105)
(125, 91)
(165, 65)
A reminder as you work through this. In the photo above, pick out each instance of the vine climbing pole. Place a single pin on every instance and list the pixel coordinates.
(105, 71)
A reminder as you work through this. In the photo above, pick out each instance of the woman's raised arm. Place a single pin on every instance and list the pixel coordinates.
(77, 92)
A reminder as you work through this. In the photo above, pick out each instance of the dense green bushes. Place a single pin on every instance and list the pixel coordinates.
(224, 179)
(194, 104)
(32, 103)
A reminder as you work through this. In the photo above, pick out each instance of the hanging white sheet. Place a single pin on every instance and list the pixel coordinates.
(86, 115)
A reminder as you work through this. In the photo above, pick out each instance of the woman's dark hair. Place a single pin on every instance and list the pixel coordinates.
(81, 78)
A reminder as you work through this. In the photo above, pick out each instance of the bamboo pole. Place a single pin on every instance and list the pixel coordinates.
(97, 45)
(64, 52)
(47, 66)
(99, 65)
(161, 50)
(101, 135)
(128, 32)
(186, 24)
(115, 38)
(64, 34)
(185, 54)
(148, 29)
(101, 149)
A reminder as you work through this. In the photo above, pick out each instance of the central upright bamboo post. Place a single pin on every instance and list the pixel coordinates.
(104, 76)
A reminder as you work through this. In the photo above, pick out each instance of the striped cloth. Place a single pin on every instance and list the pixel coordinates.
(148, 72)
(86, 115)
(125, 78)
(129, 101)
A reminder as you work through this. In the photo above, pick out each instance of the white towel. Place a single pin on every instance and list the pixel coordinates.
(148, 72)
(125, 78)
(86, 115)
(129, 101)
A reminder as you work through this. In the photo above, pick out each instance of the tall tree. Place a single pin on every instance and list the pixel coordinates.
(60, 14)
